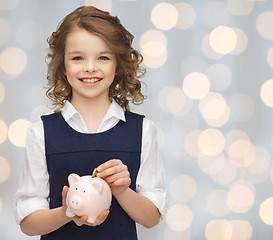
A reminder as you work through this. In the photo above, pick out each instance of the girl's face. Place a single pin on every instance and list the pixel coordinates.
(90, 65)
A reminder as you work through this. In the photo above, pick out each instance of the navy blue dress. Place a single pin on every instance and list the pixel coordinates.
(68, 151)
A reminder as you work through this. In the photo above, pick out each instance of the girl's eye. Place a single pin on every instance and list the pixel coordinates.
(78, 58)
(103, 58)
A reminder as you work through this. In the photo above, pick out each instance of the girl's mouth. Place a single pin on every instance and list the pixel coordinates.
(90, 80)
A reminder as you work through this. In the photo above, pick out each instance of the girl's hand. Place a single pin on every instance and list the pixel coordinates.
(83, 219)
(116, 174)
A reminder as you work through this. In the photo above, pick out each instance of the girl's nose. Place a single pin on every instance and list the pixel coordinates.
(90, 67)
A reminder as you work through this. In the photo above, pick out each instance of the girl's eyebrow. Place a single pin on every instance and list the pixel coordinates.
(79, 52)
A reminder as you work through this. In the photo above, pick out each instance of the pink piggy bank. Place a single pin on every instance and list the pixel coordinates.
(87, 196)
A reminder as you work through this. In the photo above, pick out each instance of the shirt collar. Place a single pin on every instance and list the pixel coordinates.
(114, 111)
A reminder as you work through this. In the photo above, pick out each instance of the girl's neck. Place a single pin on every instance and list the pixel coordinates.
(92, 111)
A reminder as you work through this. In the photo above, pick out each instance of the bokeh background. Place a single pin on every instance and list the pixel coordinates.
(209, 87)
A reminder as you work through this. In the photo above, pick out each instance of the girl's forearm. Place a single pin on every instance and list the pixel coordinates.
(44, 221)
(140, 208)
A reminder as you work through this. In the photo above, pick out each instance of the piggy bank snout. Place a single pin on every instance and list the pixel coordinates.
(76, 202)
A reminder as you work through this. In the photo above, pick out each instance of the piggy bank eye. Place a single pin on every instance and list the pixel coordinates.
(76, 188)
(84, 191)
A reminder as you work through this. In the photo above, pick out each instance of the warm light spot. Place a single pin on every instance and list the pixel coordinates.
(211, 142)
(153, 36)
(171, 234)
(241, 229)
(270, 57)
(223, 39)
(220, 76)
(2, 92)
(179, 217)
(105, 5)
(192, 64)
(211, 164)
(240, 198)
(13, 60)
(239, 148)
(5, 31)
(216, 14)
(8, 5)
(208, 50)
(191, 143)
(226, 175)
(264, 25)
(266, 93)
(4, 169)
(186, 15)
(153, 49)
(261, 161)
(266, 211)
(3, 131)
(233, 136)
(217, 203)
(245, 159)
(214, 109)
(196, 85)
(218, 229)
(242, 42)
(17, 132)
(172, 99)
(164, 16)
(155, 62)
(242, 107)
(183, 188)
(240, 7)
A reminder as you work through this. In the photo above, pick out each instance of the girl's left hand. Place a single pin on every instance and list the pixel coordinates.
(116, 174)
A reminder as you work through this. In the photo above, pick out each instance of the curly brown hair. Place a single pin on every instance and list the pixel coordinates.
(126, 86)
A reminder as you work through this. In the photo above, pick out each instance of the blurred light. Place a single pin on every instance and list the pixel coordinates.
(218, 229)
(242, 42)
(31, 35)
(211, 164)
(208, 50)
(105, 5)
(270, 57)
(241, 230)
(186, 15)
(183, 188)
(216, 14)
(192, 64)
(264, 25)
(164, 16)
(266, 211)
(244, 159)
(226, 175)
(2, 92)
(239, 148)
(234, 136)
(214, 109)
(172, 99)
(242, 107)
(211, 142)
(220, 76)
(155, 62)
(153, 49)
(261, 162)
(153, 36)
(191, 143)
(3, 131)
(171, 234)
(4, 169)
(179, 217)
(240, 7)
(196, 85)
(17, 132)
(5, 31)
(13, 60)
(240, 198)
(217, 203)
(223, 39)
(266, 93)
(8, 5)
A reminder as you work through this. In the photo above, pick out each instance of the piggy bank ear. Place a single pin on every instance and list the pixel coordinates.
(73, 177)
(98, 186)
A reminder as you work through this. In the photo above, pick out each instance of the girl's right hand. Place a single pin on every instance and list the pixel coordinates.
(83, 219)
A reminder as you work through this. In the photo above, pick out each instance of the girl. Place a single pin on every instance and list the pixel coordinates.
(92, 74)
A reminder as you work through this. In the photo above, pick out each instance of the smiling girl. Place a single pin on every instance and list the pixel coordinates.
(93, 74)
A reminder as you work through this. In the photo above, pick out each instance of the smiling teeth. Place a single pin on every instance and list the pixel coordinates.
(90, 80)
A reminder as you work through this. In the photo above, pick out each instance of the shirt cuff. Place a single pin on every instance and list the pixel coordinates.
(160, 200)
(28, 206)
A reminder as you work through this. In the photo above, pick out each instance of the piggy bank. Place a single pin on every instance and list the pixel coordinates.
(87, 196)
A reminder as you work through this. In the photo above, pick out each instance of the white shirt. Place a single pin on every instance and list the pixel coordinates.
(33, 190)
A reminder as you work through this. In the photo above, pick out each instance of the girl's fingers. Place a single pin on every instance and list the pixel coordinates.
(112, 178)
